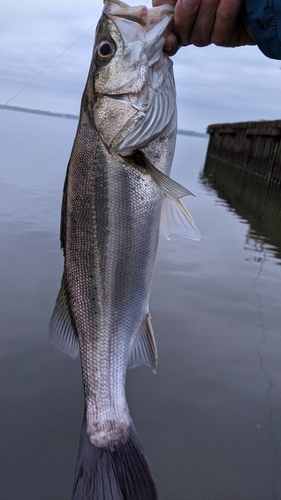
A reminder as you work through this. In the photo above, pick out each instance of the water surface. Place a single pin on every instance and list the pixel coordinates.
(210, 419)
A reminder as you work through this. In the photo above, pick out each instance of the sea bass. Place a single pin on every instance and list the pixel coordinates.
(117, 189)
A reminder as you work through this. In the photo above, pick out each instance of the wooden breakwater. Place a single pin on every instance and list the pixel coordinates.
(243, 165)
(253, 148)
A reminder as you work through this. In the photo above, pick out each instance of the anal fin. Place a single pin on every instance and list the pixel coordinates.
(143, 350)
(63, 333)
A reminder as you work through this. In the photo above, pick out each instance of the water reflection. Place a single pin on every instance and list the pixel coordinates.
(251, 201)
(259, 206)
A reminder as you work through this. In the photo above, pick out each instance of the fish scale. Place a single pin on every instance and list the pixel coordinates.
(119, 253)
(115, 189)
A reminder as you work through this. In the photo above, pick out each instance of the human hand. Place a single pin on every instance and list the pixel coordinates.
(202, 22)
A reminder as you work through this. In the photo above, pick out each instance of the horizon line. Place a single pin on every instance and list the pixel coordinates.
(76, 117)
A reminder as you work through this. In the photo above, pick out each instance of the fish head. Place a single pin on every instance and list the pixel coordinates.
(133, 85)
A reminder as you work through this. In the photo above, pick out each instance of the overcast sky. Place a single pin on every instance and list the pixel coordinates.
(214, 85)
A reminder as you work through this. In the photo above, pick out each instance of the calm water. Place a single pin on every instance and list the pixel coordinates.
(210, 420)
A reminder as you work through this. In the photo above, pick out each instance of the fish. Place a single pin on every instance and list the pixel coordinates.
(116, 194)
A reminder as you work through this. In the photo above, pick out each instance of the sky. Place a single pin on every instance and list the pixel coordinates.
(214, 84)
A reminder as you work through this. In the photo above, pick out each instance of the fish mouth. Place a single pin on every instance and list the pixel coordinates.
(125, 11)
(150, 20)
(135, 19)
(141, 24)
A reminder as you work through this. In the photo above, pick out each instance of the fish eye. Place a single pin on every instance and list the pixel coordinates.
(105, 50)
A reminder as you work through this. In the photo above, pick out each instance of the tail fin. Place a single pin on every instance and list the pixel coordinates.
(121, 473)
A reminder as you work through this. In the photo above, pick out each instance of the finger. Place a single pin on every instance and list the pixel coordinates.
(184, 19)
(231, 27)
(171, 44)
(226, 29)
(156, 3)
(203, 26)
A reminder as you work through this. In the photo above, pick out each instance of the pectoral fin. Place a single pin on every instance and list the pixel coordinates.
(63, 333)
(143, 350)
(168, 186)
(176, 219)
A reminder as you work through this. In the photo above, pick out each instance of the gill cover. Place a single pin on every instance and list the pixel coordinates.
(135, 97)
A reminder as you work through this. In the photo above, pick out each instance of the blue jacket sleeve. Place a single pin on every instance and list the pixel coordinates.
(265, 21)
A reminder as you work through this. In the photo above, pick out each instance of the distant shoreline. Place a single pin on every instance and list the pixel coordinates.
(39, 112)
(76, 117)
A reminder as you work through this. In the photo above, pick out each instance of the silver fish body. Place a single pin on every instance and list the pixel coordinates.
(113, 195)
(112, 227)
